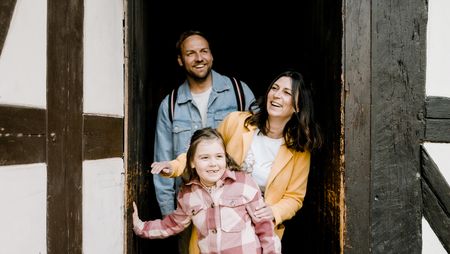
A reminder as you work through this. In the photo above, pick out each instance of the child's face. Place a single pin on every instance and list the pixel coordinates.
(209, 161)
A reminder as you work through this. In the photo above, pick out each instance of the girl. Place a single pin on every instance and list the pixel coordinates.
(219, 200)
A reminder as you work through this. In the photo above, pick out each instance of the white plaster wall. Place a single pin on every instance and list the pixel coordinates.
(23, 61)
(437, 84)
(23, 199)
(438, 48)
(103, 57)
(103, 206)
(103, 180)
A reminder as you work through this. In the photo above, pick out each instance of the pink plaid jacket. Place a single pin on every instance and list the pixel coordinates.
(222, 221)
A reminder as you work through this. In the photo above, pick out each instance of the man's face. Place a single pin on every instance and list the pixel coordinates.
(196, 57)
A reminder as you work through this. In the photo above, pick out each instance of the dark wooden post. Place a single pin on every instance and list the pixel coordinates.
(64, 125)
(385, 68)
(357, 76)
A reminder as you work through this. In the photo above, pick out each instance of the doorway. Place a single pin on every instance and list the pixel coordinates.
(253, 43)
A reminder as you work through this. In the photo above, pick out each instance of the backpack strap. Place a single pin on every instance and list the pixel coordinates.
(172, 100)
(239, 93)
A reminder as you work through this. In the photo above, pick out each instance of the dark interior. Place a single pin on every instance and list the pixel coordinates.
(254, 43)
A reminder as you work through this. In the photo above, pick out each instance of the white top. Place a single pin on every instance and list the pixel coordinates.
(201, 100)
(260, 157)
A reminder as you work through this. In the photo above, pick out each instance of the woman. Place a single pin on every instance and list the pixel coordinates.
(273, 142)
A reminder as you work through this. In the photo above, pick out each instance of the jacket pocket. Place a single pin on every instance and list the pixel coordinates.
(233, 215)
(181, 132)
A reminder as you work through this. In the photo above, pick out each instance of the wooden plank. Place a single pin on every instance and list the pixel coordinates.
(134, 113)
(398, 83)
(103, 137)
(357, 126)
(437, 217)
(22, 135)
(435, 180)
(437, 130)
(6, 12)
(437, 118)
(64, 125)
(437, 107)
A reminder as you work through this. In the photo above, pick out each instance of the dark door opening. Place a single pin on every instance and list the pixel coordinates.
(253, 43)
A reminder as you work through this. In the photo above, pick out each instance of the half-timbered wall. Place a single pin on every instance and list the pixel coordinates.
(23, 174)
(103, 108)
(61, 126)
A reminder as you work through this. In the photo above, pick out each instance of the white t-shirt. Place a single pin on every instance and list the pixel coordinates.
(201, 99)
(260, 157)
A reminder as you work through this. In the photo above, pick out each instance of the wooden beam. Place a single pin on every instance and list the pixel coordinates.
(437, 217)
(398, 36)
(6, 12)
(103, 137)
(436, 181)
(64, 125)
(437, 118)
(437, 107)
(22, 135)
(437, 130)
(357, 37)
(436, 199)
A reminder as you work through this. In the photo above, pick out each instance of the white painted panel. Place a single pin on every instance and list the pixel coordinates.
(23, 199)
(440, 153)
(23, 61)
(103, 57)
(430, 242)
(438, 48)
(103, 206)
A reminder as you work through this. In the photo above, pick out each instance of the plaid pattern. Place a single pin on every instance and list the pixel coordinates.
(221, 218)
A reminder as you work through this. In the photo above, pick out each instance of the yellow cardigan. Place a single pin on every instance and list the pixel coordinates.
(286, 185)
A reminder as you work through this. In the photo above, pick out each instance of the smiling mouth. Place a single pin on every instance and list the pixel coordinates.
(275, 104)
(200, 66)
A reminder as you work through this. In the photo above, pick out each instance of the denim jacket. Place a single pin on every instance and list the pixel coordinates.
(172, 138)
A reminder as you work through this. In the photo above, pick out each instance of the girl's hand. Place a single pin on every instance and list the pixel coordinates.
(163, 166)
(138, 225)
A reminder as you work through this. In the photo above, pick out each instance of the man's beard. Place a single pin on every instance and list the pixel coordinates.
(198, 78)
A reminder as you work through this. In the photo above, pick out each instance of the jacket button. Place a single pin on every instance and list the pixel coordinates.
(214, 231)
(212, 205)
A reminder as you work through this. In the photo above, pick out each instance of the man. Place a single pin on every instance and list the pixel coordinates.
(202, 100)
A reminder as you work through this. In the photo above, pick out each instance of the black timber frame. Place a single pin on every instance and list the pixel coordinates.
(435, 189)
(388, 176)
(61, 135)
(6, 12)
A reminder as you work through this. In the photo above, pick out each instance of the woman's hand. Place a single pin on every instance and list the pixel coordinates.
(261, 213)
(163, 166)
(264, 212)
(138, 225)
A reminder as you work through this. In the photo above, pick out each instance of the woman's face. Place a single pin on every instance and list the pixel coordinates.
(209, 161)
(279, 99)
